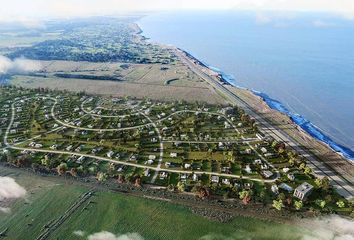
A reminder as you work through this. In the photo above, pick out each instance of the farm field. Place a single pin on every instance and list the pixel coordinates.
(121, 214)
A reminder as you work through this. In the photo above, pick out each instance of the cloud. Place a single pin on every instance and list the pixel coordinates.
(322, 24)
(19, 65)
(331, 228)
(73, 8)
(262, 19)
(104, 235)
(79, 233)
(5, 210)
(9, 189)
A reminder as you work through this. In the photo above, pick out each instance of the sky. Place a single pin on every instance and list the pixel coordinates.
(29, 10)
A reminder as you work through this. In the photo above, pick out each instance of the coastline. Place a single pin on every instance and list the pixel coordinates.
(304, 124)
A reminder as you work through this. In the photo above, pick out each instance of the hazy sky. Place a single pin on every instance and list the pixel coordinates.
(21, 10)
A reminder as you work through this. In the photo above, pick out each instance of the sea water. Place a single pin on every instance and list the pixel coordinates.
(301, 63)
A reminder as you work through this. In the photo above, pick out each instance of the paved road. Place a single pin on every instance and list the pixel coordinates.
(342, 185)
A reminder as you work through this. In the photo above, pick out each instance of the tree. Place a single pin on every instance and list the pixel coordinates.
(245, 196)
(281, 196)
(302, 166)
(171, 187)
(298, 205)
(307, 170)
(340, 204)
(278, 204)
(62, 168)
(101, 177)
(45, 161)
(321, 203)
(181, 186)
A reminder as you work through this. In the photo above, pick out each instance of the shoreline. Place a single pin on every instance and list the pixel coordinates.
(305, 125)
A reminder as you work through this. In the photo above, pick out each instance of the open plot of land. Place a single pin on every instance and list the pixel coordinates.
(120, 214)
(117, 89)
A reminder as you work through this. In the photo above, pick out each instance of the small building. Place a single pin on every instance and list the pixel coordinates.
(286, 187)
(173, 155)
(152, 157)
(225, 181)
(303, 191)
(163, 175)
(258, 161)
(264, 150)
(215, 179)
(267, 173)
(110, 154)
(291, 176)
(183, 177)
(187, 165)
(275, 189)
(248, 169)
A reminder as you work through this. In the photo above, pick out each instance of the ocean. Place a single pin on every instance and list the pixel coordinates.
(302, 64)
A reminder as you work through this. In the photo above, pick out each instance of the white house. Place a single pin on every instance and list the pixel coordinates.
(215, 179)
(303, 191)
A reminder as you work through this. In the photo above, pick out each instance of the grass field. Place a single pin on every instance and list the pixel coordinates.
(121, 214)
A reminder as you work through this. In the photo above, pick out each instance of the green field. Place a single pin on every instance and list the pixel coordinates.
(121, 214)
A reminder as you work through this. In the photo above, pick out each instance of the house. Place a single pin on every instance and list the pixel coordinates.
(227, 110)
(183, 177)
(285, 170)
(110, 154)
(54, 147)
(225, 181)
(258, 161)
(132, 158)
(173, 155)
(248, 151)
(152, 157)
(264, 167)
(291, 177)
(215, 179)
(13, 131)
(286, 187)
(147, 172)
(264, 150)
(303, 191)
(248, 169)
(195, 177)
(163, 175)
(269, 155)
(274, 189)
(38, 145)
(187, 165)
(80, 159)
(149, 162)
(267, 173)
(248, 185)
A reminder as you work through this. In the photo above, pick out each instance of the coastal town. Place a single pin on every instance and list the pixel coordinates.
(103, 130)
(182, 147)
